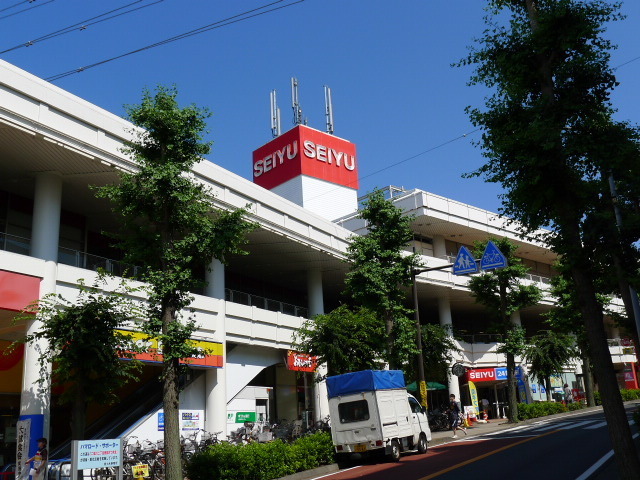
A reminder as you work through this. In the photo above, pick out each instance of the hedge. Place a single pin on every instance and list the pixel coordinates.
(261, 461)
(539, 409)
(627, 394)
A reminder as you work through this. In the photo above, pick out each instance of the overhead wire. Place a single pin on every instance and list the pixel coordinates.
(212, 26)
(24, 9)
(84, 24)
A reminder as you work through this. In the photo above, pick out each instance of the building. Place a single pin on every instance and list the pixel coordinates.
(54, 145)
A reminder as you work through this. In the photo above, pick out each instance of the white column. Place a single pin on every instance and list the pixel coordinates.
(45, 233)
(444, 311)
(439, 247)
(515, 318)
(316, 307)
(215, 378)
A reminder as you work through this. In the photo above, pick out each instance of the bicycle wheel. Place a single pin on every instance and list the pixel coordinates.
(157, 469)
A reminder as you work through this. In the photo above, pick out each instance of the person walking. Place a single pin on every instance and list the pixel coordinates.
(454, 415)
(568, 396)
(39, 460)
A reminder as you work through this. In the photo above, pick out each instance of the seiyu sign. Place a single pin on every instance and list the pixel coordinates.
(306, 151)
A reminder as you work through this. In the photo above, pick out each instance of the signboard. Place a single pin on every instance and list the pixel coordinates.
(97, 453)
(474, 398)
(161, 421)
(23, 429)
(140, 470)
(481, 374)
(301, 362)
(306, 151)
(190, 421)
(241, 417)
(492, 257)
(464, 263)
(209, 353)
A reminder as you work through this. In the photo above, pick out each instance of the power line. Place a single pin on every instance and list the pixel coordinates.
(24, 9)
(212, 26)
(14, 5)
(83, 24)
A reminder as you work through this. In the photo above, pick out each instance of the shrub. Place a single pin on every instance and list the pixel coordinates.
(597, 398)
(575, 406)
(539, 409)
(629, 394)
(261, 461)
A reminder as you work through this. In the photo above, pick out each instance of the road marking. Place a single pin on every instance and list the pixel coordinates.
(555, 425)
(472, 460)
(592, 469)
(597, 425)
(335, 473)
(576, 425)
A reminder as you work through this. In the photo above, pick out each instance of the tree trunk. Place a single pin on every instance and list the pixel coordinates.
(547, 388)
(512, 389)
(171, 404)
(625, 294)
(588, 381)
(388, 323)
(78, 414)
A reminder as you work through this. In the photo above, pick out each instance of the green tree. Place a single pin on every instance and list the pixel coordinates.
(84, 348)
(346, 339)
(171, 228)
(502, 292)
(550, 141)
(547, 353)
(379, 269)
(438, 350)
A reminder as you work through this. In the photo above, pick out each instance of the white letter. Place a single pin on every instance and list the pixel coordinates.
(280, 154)
(322, 153)
(257, 168)
(309, 149)
(353, 162)
(290, 155)
(267, 163)
(338, 157)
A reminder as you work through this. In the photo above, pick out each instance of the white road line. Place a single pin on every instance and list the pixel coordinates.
(592, 469)
(576, 425)
(597, 425)
(334, 473)
(550, 427)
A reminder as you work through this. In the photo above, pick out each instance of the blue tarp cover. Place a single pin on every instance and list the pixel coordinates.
(364, 381)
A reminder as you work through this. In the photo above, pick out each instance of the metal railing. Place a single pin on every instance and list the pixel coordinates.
(76, 258)
(481, 338)
(257, 301)
(15, 244)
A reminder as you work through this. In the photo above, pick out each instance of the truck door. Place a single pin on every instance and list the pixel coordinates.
(419, 419)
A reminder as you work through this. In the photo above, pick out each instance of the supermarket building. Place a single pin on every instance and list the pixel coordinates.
(54, 145)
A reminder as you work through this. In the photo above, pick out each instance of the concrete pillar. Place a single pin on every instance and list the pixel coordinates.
(45, 234)
(515, 318)
(439, 247)
(444, 311)
(316, 307)
(215, 378)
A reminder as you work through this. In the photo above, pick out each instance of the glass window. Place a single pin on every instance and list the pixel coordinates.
(415, 406)
(357, 411)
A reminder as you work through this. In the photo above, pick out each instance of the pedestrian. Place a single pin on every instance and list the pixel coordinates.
(568, 396)
(39, 460)
(485, 406)
(454, 415)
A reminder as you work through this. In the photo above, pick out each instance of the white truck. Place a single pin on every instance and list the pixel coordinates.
(371, 412)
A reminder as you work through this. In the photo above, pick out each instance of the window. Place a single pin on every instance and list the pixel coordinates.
(357, 411)
(414, 405)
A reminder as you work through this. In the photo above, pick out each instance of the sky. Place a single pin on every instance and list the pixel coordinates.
(395, 93)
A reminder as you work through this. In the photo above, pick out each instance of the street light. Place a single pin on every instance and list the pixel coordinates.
(422, 384)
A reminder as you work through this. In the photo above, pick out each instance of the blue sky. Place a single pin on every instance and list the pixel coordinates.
(388, 64)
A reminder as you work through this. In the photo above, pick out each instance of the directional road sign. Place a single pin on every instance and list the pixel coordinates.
(465, 263)
(492, 258)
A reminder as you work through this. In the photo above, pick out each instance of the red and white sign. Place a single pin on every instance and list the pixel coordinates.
(481, 374)
(301, 362)
(306, 151)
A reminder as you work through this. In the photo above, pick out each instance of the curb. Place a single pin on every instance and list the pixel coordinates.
(313, 473)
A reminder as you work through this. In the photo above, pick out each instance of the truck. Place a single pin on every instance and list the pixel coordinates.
(372, 413)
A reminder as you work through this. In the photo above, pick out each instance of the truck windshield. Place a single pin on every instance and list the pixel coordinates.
(357, 411)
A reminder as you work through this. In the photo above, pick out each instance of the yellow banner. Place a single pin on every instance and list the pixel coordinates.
(474, 397)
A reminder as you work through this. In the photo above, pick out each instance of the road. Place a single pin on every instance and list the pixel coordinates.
(562, 448)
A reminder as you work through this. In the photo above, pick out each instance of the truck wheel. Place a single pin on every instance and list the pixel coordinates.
(422, 444)
(394, 456)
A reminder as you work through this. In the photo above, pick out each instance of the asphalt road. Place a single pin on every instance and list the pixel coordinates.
(558, 448)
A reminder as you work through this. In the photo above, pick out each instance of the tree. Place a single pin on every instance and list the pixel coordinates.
(547, 354)
(438, 350)
(379, 268)
(550, 141)
(84, 347)
(346, 339)
(170, 227)
(502, 293)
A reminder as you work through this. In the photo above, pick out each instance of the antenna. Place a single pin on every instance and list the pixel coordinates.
(295, 103)
(275, 115)
(328, 109)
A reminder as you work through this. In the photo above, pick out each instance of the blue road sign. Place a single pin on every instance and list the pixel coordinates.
(492, 258)
(465, 263)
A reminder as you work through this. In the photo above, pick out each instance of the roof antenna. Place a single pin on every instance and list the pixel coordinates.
(295, 103)
(328, 109)
(275, 115)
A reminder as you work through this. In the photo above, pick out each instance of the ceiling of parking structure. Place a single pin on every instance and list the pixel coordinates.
(430, 226)
(286, 262)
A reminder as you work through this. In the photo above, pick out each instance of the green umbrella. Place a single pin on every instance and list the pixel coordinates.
(430, 386)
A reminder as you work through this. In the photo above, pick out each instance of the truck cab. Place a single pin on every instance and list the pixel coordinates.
(371, 412)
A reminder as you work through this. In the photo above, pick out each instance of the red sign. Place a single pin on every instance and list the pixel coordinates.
(481, 374)
(18, 291)
(301, 362)
(306, 151)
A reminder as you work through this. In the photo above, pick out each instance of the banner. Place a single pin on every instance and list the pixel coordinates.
(474, 397)
(23, 432)
(301, 362)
